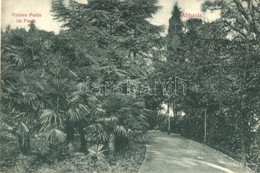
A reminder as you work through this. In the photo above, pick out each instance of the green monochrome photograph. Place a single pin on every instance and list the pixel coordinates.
(130, 86)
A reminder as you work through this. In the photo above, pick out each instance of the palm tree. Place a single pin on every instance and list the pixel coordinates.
(119, 119)
(20, 83)
(39, 88)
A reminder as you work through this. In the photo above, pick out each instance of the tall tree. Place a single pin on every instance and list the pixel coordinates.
(117, 39)
(175, 32)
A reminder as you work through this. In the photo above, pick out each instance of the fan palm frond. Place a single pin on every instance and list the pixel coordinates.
(18, 60)
(56, 136)
(28, 72)
(22, 130)
(130, 133)
(74, 97)
(97, 151)
(29, 99)
(75, 114)
(93, 100)
(78, 112)
(99, 111)
(121, 130)
(49, 116)
(96, 132)
(109, 121)
(84, 108)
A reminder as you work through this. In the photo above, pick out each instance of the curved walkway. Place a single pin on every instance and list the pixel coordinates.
(176, 154)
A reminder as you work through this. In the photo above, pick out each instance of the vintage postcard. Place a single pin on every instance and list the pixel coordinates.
(130, 86)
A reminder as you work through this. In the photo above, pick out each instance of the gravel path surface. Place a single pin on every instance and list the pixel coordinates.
(176, 154)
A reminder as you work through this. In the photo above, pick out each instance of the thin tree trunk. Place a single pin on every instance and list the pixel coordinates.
(169, 118)
(205, 125)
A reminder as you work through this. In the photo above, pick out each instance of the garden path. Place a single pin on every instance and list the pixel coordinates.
(176, 154)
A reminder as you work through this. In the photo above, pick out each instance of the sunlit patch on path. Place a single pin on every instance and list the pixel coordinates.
(209, 164)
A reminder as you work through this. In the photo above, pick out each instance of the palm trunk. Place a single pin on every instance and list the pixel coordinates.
(69, 132)
(54, 153)
(83, 143)
(24, 144)
(111, 146)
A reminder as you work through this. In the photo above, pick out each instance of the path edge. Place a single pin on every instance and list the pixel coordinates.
(222, 153)
(145, 156)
